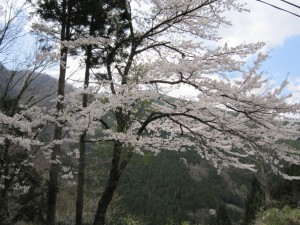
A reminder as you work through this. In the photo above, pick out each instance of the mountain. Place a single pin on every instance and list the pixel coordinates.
(33, 86)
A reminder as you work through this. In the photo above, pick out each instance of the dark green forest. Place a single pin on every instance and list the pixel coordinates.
(177, 187)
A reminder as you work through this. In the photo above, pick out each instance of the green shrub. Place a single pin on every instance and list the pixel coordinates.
(275, 216)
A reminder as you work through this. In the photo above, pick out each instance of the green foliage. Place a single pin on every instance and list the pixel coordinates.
(185, 223)
(156, 189)
(222, 216)
(254, 201)
(160, 190)
(275, 216)
(171, 222)
(286, 192)
(130, 220)
(31, 204)
(20, 205)
(283, 192)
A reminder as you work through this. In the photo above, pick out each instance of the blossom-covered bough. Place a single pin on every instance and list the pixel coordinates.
(22, 117)
(230, 121)
(233, 119)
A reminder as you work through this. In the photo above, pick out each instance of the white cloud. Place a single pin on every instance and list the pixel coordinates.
(294, 87)
(263, 23)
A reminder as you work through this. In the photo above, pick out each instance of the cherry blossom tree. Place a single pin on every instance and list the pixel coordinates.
(82, 25)
(170, 45)
(21, 113)
(95, 23)
(233, 118)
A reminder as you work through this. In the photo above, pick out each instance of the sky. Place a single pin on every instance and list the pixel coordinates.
(281, 33)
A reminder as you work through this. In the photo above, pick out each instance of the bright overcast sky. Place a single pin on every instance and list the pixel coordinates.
(263, 23)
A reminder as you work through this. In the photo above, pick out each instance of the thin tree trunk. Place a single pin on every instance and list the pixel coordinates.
(81, 169)
(53, 179)
(4, 162)
(116, 169)
(111, 186)
(54, 167)
(262, 178)
(80, 182)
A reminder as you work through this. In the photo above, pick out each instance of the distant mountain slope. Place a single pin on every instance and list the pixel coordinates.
(39, 87)
(164, 188)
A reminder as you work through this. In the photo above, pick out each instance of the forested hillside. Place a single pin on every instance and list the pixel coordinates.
(163, 189)
(168, 188)
(178, 187)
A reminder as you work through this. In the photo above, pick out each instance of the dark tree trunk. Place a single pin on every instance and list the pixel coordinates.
(80, 182)
(116, 169)
(53, 180)
(81, 169)
(263, 180)
(54, 167)
(111, 186)
(4, 166)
